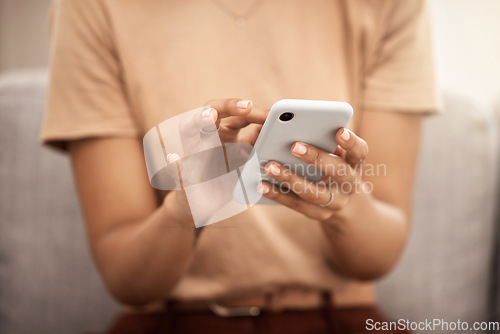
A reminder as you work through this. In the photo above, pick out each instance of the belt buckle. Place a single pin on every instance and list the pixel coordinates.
(227, 311)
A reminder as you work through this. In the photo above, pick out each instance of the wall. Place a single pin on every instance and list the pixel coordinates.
(23, 33)
(467, 47)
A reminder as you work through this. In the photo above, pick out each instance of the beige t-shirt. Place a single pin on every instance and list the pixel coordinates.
(119, 67)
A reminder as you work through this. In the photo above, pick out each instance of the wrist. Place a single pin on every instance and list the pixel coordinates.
(357, 202)
(176, 209)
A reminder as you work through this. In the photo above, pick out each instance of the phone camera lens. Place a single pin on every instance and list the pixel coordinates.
(286, 116)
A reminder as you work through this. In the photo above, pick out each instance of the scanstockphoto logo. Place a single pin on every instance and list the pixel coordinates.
(431, 325)
(220, 179)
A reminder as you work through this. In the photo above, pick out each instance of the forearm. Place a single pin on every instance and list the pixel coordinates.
(367, 236)
(141, 249)
(140, 261)
(367, 230)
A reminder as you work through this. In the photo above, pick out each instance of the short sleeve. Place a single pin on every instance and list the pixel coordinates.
(400, 71)
(86, 96)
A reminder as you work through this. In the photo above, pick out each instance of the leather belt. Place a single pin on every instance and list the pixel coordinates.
(287, 299)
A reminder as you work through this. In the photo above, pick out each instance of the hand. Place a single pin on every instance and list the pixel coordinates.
(219, 121)
(238, 120)
(342, 178)
(202, 132)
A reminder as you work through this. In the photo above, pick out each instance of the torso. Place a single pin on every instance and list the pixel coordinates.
(177, 54)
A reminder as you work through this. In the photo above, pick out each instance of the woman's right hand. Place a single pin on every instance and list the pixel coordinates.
(237, 121)
(127, 231)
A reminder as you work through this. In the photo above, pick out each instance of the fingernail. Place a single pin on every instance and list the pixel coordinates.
(345, 135)
(299, 148)
(273, 169)
(263, 188)
(208, 112)
(243, 104)
(171, 157)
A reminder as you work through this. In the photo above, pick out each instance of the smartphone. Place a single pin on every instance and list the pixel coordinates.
(309, 121)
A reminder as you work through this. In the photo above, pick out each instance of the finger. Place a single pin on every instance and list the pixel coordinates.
(174, 168)
(231, 107)
(316, 193)
(248, 134)
(332, 166)
(191, 124)
(255, 134)
(340, 152)
(209, 121)
(291, 200)
(355, 147)
(242, 113)
(256, 116)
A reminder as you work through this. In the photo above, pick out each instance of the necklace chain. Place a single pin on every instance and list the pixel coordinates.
(238, 19)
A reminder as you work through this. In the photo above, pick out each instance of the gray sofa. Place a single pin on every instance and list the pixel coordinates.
(49, 285)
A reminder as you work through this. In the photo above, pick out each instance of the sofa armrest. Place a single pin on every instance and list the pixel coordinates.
(48, 283)
(445, 271)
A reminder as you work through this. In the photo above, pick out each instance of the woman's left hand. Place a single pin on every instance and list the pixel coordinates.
(342, 178)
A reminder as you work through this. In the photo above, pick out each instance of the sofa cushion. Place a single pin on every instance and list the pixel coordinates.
(445, 270)
(49, 285)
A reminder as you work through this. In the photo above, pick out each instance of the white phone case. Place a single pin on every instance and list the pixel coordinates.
(313, 122)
